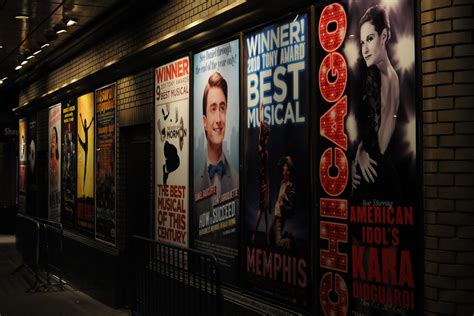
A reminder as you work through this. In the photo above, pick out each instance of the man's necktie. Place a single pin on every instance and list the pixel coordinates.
(213, 169)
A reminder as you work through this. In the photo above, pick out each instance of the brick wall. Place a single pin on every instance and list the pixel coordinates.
(133, 35)
(448, 148)
(135, 105)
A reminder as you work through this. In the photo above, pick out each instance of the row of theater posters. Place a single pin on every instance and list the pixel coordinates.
(81, 163)
(277, 220)
(367, 224)
(88, 180)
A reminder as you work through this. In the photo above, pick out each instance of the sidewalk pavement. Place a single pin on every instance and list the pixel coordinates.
(16, 300)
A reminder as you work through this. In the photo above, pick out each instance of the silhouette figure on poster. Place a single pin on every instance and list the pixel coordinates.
(172, 160)
(85, 144)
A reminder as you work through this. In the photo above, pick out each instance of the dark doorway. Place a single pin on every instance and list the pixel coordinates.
(138, 180)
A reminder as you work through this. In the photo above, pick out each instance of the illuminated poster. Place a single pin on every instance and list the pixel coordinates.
(22, 172)
(69, 163)
(85, 164)
(31, 170)
(369, 211)
(172, 150)
(277, 219)
(105, 220)
(216, 155)
(54, 164)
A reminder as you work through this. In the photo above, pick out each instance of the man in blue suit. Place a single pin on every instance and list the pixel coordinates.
(216, 171)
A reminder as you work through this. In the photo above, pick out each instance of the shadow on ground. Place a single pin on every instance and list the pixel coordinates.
(18, 298)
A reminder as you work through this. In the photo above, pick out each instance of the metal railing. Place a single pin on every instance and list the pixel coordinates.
(27, 244)
(51, 249)
(171, 280)
(39, 242)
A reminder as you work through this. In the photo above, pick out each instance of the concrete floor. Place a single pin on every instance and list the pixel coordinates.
(16, 300)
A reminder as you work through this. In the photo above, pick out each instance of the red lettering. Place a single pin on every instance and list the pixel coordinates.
(358, 271)
(331, 91)
(387, 273)
(159, 75)
(185, 67)
(389, 265)
(332, 258)
(406, 270)
(333, 186)
(332, 80)
(335, 208)
(172, 71)
(340, 306)
(373, 271)
(332, 123)
(332, 40)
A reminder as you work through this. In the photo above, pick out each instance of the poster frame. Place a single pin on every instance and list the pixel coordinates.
(32, 186)
(89, 234)
(420, 218)
(65, 103)
(192, 52)
(50, 108)
(310, 14)
(22, 194)
(115, 163)
(419, 229)
(154, 220)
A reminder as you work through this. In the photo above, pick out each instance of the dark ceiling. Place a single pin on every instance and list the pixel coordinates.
(19, 38)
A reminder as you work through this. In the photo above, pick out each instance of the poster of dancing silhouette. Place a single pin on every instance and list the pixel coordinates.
(172, 152)
(32, 185)
(54, 164)
(85, 164)
(369, 207)
(277, 218)
(216, 155)
(22, 164)
(69, 163)
(105, 198)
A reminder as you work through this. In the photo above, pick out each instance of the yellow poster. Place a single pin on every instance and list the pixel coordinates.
(85, 162)
(85, 132)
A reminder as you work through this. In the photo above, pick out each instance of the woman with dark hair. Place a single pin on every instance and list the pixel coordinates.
(54, 158)
(373, 172)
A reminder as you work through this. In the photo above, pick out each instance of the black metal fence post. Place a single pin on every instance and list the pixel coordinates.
(172, 280)
(40, 244)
